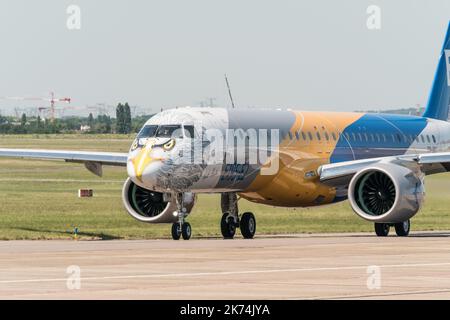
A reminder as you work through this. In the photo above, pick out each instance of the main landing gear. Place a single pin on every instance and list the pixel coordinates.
(401, 229)
(231, 221)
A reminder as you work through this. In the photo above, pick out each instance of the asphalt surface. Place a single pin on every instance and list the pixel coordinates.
(338, 266)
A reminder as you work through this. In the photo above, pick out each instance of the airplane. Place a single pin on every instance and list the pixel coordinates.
(377, 161)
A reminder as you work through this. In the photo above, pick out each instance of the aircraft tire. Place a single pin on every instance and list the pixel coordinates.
(176, 232)
(186, 231)
(227, 227)
(382, 229)
(402, 229)
(248, 225)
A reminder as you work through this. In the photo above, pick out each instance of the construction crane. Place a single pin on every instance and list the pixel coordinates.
(50, 99)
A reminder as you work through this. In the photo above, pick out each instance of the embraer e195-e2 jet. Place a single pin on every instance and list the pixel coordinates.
(283, 158)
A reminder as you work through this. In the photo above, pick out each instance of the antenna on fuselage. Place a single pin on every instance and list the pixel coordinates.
(229, 91)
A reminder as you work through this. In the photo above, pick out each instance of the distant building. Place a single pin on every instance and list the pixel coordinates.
(85, 128)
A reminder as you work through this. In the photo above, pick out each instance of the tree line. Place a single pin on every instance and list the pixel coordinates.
(123, 123)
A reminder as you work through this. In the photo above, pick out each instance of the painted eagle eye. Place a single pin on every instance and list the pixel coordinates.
(135, 145)
(169, 145)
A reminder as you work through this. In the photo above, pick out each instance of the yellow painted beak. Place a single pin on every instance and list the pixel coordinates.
(142, 160)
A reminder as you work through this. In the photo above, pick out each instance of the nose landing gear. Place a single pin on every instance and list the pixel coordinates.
(181, 228)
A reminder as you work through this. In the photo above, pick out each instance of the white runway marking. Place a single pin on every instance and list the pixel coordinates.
(226, 273)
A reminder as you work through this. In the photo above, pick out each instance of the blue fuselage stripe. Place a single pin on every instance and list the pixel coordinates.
(377, 135)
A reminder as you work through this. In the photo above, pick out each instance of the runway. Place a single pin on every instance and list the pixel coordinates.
(338, 266)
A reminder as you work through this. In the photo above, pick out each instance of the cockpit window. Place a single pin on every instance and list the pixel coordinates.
(147, 132)
(169, 131)
(190, 132)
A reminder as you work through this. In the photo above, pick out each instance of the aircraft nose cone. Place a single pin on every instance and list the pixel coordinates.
(143, 168)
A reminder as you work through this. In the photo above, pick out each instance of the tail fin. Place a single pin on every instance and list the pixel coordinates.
(439, 100)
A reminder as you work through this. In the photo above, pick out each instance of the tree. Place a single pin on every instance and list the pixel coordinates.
(38, 121)
(23, 121)
(108, 124)
(90, 120)
(120, 118)
(127, 118)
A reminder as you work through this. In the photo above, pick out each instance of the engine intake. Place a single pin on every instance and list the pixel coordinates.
(147, 205)
(386, 192)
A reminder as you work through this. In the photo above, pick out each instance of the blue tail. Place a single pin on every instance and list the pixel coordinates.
(439, 100)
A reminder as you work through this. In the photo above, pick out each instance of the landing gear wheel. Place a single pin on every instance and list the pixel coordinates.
(248, 225)
(227, 226)
(402, 228)
(176, 231)
(186, 231)
(382, 229)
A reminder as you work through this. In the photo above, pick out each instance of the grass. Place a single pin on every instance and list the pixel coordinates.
(38, 200)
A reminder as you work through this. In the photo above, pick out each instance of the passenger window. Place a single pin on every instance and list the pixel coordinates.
(297, 135)
(399, 137)
(310, 136)
(327, 137)
(422, 138)
(318, 135)
(304, 136)
(428, 139)
(366, 138)
(334, 136)
(359, 137)
(434, 138)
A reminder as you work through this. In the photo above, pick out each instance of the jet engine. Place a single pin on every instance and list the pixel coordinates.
(386, 193)
(151, 206)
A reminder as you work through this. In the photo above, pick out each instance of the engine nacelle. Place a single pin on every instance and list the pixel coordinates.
(386, 192)
(151, 206)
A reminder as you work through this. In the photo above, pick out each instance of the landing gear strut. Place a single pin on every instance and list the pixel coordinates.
(230, 218)
(401, 229)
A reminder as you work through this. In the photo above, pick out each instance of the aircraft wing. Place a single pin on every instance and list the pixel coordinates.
(341, 172)
(92, 160)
